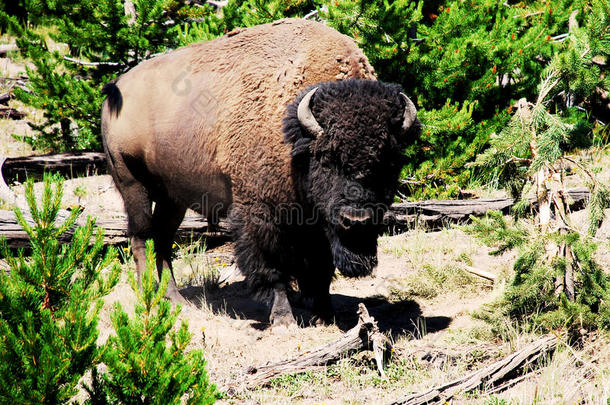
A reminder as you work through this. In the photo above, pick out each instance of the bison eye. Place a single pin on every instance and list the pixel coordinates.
(359, 176)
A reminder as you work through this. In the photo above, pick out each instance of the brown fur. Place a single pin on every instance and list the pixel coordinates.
(201, 127)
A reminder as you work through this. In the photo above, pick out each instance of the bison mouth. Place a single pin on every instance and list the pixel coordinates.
(354, 255)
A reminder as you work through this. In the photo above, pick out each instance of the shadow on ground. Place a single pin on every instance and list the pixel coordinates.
(396, 318)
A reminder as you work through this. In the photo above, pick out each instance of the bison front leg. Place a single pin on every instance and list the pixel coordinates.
(258, 251)
(316, 276)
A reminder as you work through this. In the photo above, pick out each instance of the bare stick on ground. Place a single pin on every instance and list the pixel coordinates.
(485, 378)
(481, 273)
(365, 335)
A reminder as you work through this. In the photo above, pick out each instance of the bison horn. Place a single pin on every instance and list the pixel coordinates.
(305, 116)
(410, 114)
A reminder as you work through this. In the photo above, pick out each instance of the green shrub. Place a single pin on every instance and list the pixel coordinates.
(146, 360)
(49, 311)
(50, 303)
(532, 295)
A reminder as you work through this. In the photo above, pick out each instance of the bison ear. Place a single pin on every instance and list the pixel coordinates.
(305, 116)
(410, 114)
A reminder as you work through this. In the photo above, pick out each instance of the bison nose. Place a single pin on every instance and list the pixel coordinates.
(350, 217)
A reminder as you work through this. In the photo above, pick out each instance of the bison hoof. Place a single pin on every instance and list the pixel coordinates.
(284, 320)
(324, 320)
(174, 295)
(324, 313)
(284, 326)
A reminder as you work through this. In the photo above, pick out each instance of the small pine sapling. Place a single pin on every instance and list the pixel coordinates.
(146, 360)
(50, 302)
(557, 282)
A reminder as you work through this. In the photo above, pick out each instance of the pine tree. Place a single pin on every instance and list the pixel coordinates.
(146, 360)
(50, 302)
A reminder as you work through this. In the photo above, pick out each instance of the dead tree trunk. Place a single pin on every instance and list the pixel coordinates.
(74, 164)
(486, 377)
(551, 197)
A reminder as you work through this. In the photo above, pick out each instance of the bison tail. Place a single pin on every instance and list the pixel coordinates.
(114, 99)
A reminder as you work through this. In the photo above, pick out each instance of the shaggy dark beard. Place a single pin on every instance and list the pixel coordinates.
(356, 261)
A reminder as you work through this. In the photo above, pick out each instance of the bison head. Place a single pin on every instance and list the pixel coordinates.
(348, 139)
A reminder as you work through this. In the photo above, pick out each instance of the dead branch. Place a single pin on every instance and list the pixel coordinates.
(12, 113)
(311, 14)
(485, 378)
(85, 63)
(365, 335)
(218, 4)
(481, 273)
(572, 23)
(529, 15)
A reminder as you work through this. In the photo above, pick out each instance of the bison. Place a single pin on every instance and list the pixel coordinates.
(281, 127)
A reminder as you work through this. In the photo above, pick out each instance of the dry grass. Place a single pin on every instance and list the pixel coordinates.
(439, 262)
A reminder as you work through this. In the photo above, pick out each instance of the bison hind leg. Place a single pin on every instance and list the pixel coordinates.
(167, 217)
(139, 219)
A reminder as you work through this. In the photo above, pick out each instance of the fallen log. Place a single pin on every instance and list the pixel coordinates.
(11, 113)
(115, 230)
(436, 214)
(74, 164)
(364, 336)
(498, 372)
(6, 48)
